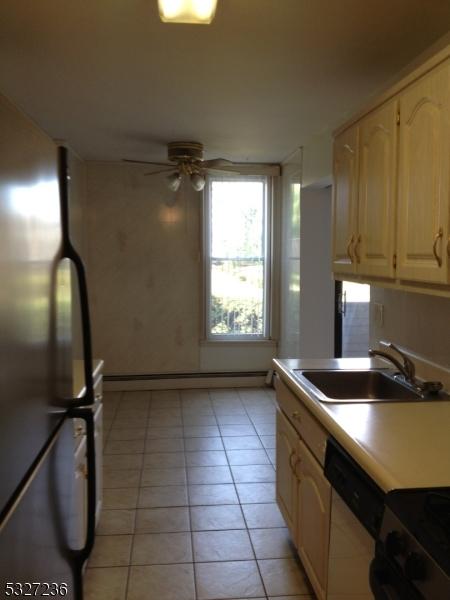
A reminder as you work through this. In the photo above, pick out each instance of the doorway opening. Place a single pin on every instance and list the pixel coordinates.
(352, 319)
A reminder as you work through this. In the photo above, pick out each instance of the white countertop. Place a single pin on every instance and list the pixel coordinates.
(399, 444)
(78, 375)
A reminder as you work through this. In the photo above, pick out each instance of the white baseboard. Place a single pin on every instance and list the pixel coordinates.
(183, 383)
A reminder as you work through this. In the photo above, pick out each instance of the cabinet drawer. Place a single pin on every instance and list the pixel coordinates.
(314, 435)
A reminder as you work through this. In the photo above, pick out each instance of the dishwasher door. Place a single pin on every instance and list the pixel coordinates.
(352, 549)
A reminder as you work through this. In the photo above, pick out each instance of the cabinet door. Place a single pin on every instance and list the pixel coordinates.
(286, 486)
(313, 521)
(374, 247)
(423, 212)
(345, 198)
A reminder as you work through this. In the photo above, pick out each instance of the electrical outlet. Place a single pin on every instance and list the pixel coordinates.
(378, 314)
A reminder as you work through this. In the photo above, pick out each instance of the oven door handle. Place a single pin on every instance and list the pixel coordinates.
(379, 582)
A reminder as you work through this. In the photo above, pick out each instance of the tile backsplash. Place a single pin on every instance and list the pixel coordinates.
(417, 322)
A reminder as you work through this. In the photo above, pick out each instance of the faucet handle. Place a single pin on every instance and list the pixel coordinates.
(407, 362)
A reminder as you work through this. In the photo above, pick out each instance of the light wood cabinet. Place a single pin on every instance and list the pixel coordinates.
(345, 197)
(374, 247)
(302, 491)
(286, 482)
(391, 190)
(313, 520)
(423, 200)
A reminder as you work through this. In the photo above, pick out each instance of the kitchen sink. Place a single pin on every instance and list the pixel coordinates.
(359, 386)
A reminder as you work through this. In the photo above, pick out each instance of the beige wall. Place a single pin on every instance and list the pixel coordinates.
(145, 277)
(318, 160)
(143, 271)
(417, 322)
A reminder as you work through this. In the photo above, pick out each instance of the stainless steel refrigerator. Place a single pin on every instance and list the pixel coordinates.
(38, 556)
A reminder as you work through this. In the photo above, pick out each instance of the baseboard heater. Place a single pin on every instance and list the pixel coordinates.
(203, 375)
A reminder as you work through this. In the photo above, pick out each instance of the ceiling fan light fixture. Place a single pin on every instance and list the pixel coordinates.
(187, 11)
(174, 181)
(197, 181)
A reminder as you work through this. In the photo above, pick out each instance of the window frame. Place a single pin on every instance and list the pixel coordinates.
(267, 259)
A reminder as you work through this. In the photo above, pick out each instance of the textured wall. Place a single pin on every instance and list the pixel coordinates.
(418, 322)
(144, 271)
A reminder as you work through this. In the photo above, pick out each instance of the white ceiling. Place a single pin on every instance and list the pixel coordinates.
(112, 80)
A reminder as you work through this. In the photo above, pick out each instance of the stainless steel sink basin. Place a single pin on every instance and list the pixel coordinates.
(357, 386)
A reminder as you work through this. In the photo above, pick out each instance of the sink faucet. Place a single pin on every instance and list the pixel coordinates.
(408, 370)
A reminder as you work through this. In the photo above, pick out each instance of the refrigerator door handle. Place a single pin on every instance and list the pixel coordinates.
(68, 251)
(87, 415)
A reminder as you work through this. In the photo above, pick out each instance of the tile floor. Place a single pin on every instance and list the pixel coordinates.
(189, 507)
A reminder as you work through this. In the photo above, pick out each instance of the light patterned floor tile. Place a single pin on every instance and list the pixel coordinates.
(228, 580)
(162, 520)
(214, 518)
(106, 583)
(111, 551)
(283, 576)
(161, 548)
(163, 582)
(116, 522)
(210, 546)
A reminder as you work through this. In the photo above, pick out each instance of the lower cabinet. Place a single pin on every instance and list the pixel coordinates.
(286, 488)
(313, 519)
(304, 498)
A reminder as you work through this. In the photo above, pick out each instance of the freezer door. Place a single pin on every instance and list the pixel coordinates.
(37, 535)
(35, 301)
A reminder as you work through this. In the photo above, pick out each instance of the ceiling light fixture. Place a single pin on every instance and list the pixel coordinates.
(197, 182)
(174, 181)
(187, 11)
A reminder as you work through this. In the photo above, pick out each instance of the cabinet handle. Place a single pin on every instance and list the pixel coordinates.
(448, 246)
(349, 252)
(291, 456)
(294, 470)
(296, 416)
(349, 148)
(437, 237)
(355, 249)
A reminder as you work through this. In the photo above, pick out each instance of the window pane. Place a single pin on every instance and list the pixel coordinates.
(237, 218)
(237, 297)
(237, 256)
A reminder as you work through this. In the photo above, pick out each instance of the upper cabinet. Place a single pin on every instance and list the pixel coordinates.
(375, 242)
(391, 198)
(345, 197)
(423, 195)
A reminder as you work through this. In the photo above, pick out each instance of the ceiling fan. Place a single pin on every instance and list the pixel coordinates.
(186, 159)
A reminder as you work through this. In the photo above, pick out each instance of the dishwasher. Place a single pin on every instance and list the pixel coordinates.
(357, 506)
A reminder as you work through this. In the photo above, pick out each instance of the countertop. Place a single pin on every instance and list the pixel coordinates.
(78, 375)
(399, 444)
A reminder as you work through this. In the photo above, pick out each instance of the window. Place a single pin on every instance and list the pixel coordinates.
(237, 260)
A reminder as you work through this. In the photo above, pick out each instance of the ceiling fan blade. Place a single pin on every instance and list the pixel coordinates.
(172, 169)
(147, 162)
(217, 163)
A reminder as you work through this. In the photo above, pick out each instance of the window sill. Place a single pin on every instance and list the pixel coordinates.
(208, 342)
